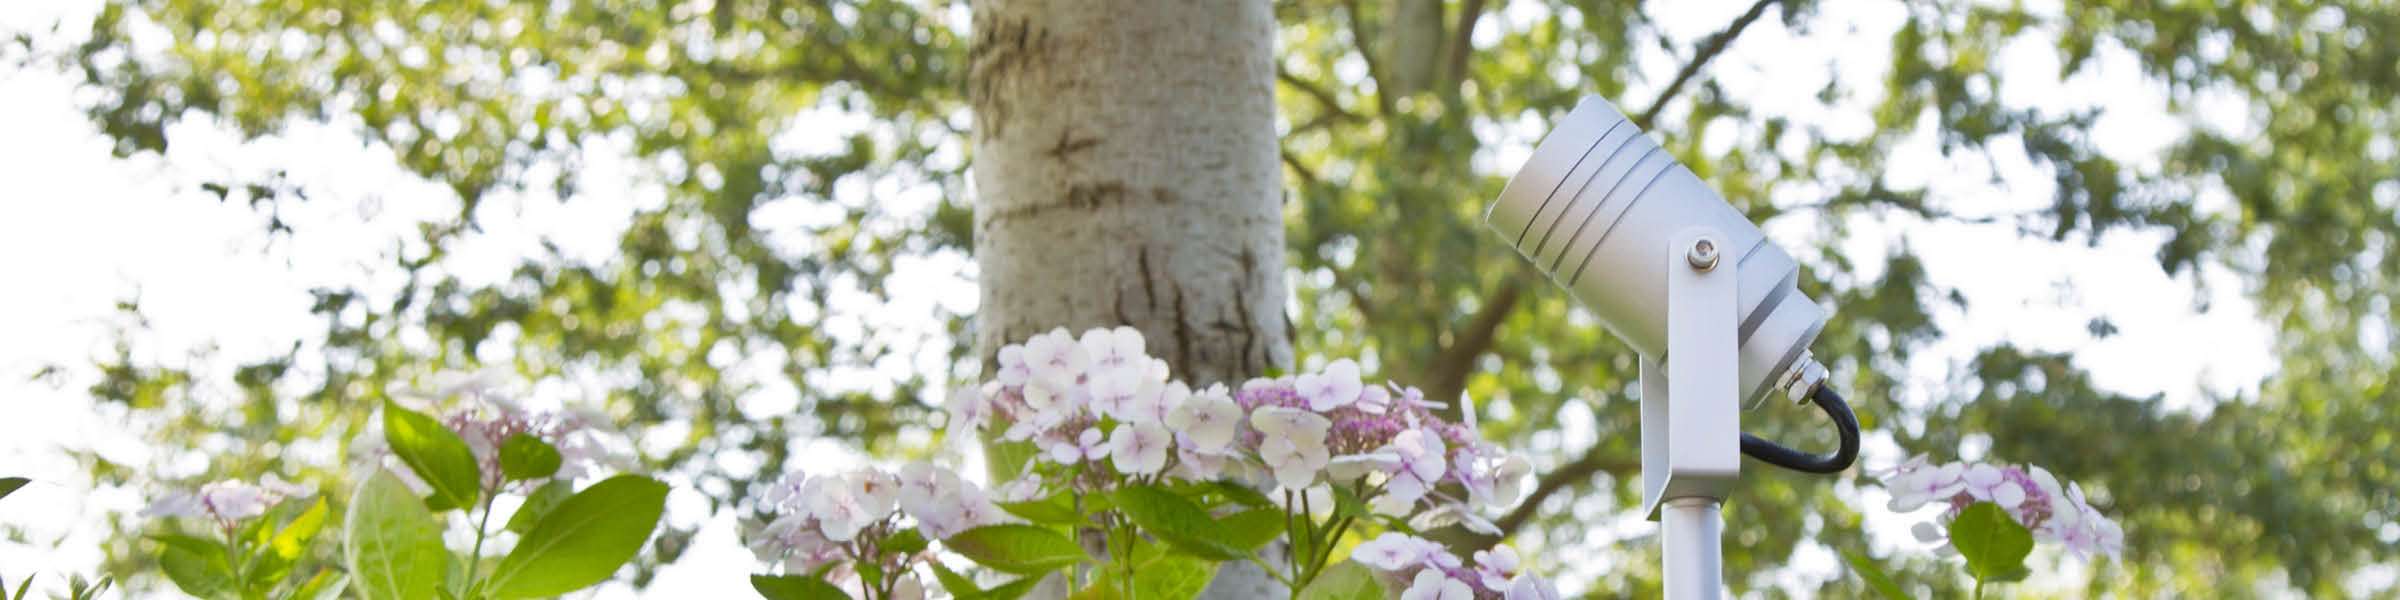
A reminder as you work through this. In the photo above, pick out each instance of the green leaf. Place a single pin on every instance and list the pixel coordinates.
(868, 570)
(1345, 580)
(958, 585)
(196, 545)
(1171, 578)
(436, 454)
(391, 544)
(907, 541)
(1241, 494)
(1004, 459)
(2011, 576)
(1058, 509)
(78, 589)
(964, 589)
(291, 541)
(1992, 543)
(254, 533)
(584, 540)
(201, 576)
(1104, 587)
(795, 587)
(525, 457)
(1249, 529)
(9, 485)
(327, 585)
(1177, 521)
(1015, 548)
(1346, 503)
(274, 559)
(537, 503)
(1876, 579)
(1012, 590)
(22, 586)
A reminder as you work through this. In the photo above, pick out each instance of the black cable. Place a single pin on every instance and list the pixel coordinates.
(1844, 423)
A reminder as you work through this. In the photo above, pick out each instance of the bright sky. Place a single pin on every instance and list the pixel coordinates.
(85, 230)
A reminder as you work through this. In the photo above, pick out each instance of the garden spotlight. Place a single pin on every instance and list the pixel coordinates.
(1714, 310)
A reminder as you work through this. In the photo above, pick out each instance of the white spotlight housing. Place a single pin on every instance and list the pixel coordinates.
(1594, 206)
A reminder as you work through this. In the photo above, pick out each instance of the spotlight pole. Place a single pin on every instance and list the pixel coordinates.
(1691, 415)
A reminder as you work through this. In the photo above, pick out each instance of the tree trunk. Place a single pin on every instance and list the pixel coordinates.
(1126, 173)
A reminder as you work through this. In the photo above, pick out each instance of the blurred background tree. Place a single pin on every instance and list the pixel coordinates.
(731, 320)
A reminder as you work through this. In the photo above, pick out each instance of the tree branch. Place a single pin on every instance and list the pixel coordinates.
(1307, 177)
(1366, 52)
(1707, 50)
(1324, 98)
(1451, 368)
(1462, 43)
(1571, 474)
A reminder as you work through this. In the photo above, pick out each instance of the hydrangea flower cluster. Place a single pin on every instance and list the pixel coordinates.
(229, 502)
(1109, 464)
(825, 520)
(486, 421)
(572, 432)
(2029, 494)
(1426, 570)
(1099, 400)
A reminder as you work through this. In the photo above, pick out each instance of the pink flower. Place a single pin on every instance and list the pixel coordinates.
(1496, 566)
(1113, 350)
(1530, 587)
(1917, 487)
(1394, 551)
(1989, 483)
(1209, 417)
(1013, 370)
(1337, 386)
(1056, 355)
(1139, 448)
(1091, 445)
(1432, 584)
(229, 501)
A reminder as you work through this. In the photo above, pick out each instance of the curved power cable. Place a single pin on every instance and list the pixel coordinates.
(1845, 423)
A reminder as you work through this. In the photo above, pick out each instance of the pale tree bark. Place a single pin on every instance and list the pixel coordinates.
(1126, 173)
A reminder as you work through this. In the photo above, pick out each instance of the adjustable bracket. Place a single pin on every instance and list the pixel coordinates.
(1691, 413)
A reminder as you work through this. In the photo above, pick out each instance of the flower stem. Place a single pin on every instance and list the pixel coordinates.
(233, 555)
(475, 556)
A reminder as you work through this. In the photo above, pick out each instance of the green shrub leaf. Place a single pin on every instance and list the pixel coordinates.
(907, 541)
(1177, 521)
(1993, 544)
(1058, 509)
(795, 587)
(1876, 579)
(584, 540)
(1013, 548)
(273, 560)
(1171, 578)
(537, 503)
(1249, 529)
(201, 576)
(525, 457)
(9, 485)
(1345, 580)
(327, 585)
(391, 543)
(436, 454)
